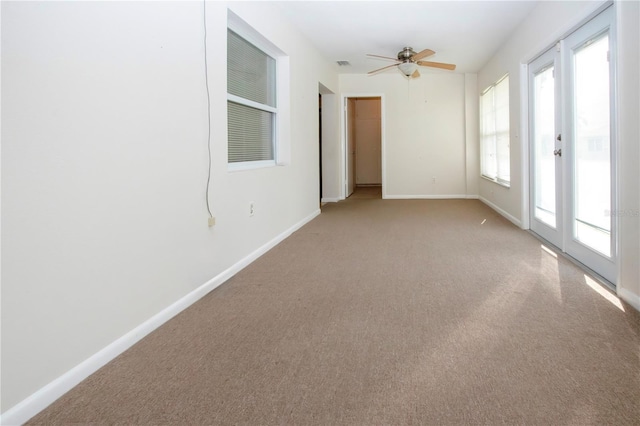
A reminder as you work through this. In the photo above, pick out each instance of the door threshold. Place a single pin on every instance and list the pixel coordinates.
(593, 274)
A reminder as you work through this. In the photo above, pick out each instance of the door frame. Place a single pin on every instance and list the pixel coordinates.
(343, 137)
(550, 42)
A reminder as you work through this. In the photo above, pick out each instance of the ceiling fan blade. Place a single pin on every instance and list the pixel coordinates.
(383, 57)
(383, 68)
(437, 65)
(422, 54)
(415, 74)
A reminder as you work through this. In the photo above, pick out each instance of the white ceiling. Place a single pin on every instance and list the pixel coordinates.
(466, 33)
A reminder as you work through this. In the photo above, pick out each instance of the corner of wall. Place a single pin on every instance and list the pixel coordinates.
(472, 148)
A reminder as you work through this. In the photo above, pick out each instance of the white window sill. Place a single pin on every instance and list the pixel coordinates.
(250, 165)
(503, 184)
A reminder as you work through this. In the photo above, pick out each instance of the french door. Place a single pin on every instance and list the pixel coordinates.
(572, 145)
(546, 218)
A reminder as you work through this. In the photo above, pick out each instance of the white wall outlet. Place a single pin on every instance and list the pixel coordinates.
(433, 179)
(252, 208)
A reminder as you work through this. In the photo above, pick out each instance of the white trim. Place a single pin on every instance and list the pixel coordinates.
(473, 197)
(250, 165)
(251, 104)
(427, 197)
(342, 166)
(383, 142)
(329, 200)
(629, 297)
(236, 24)
(508, 216)
(42, 398)
(496, 181)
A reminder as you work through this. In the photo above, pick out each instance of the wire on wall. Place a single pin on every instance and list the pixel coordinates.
(206, 80)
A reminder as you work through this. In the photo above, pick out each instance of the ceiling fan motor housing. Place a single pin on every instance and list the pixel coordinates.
(405, 54)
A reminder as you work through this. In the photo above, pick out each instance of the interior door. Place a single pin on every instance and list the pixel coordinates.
(545, 148)
(589, 106)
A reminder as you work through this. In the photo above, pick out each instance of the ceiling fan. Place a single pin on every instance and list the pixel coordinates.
(408, 61)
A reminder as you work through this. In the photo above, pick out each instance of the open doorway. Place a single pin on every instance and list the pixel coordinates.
(363, 137)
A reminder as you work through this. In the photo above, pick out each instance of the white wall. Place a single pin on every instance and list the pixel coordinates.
(548, 22)
(424, 131)
(472, 133)
(104, 163)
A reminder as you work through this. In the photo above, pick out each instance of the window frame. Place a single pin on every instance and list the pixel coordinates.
(281, 112)
(491, 161)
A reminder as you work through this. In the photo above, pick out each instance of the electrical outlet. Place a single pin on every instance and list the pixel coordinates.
(212, 221)
(433, 179)
(252, 208)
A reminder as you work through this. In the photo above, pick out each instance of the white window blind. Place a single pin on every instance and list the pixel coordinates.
(494, 132)
(251, 101)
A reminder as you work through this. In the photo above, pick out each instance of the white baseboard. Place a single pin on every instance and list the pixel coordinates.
(629, 297)
(42, 398)
(512, 219)
(473, 197)
(329, 200)
(426, 197)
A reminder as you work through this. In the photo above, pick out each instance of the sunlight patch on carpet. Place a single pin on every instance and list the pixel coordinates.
(603, 292)
(548, 250)
(549, 269)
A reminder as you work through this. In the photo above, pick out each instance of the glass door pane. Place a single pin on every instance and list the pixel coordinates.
(592, 159)
(544, 163)
(546, 168)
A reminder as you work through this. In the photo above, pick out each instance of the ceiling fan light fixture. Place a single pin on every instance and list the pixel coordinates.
(408, 68)
(408, 62)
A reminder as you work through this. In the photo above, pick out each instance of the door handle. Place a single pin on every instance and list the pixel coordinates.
(558, 152)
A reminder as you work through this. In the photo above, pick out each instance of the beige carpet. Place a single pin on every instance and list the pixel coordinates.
(383, 312)
(367, 192)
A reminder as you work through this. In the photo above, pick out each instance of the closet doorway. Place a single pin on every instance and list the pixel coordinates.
(363, 137)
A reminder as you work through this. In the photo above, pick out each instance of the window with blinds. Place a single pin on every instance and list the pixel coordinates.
(494, 132)
(251, 102)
